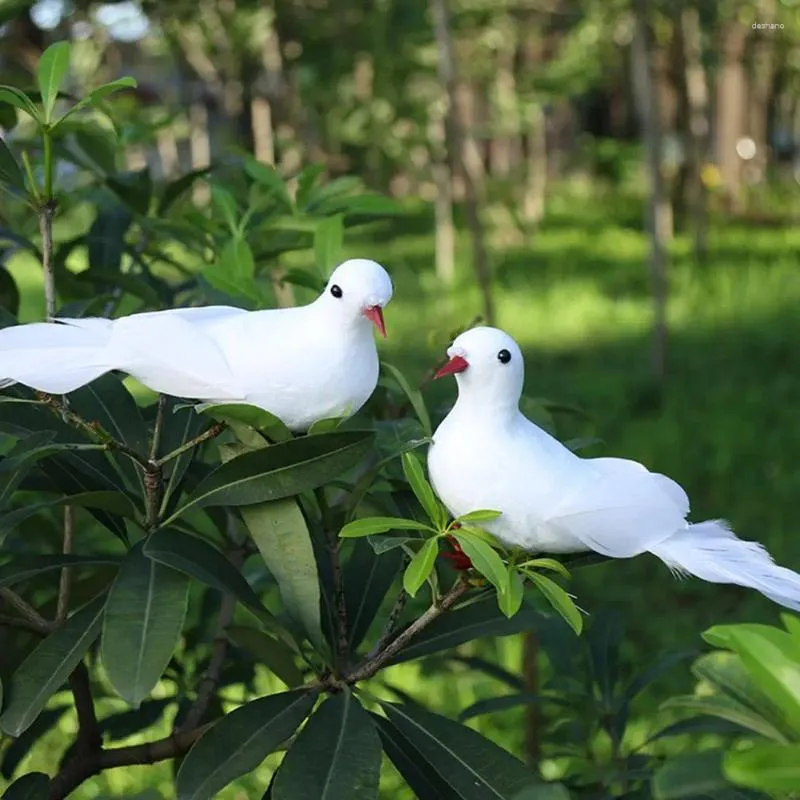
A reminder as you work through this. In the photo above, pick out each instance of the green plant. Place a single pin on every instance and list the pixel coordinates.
(748, 688)
(162, 554)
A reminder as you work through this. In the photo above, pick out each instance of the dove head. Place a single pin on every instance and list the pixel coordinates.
(488, 367)
(358, 289)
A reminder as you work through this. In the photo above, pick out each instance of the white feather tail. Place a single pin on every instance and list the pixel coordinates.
(53, 357)
(712, 551)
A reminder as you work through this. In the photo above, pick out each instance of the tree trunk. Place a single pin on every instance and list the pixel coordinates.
(695, 86)
(455, 148)
(762, 76)
(658, 216)
(535, 144)
(443, 206)
(731, 90)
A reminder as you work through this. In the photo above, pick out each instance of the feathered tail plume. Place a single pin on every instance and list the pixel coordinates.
(712, 551)
(53, 357)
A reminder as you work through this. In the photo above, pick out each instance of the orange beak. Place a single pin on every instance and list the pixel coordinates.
(454, 365)
(375, 315)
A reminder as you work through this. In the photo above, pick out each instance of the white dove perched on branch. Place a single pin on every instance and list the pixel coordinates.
(301, 364)
(487, 455)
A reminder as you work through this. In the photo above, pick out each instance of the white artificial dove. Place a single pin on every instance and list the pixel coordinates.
(301, 364)
(487, 455)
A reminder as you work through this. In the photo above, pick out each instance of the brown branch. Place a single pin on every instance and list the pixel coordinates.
(208, 683)
(391, 622)
(62, 607)
(89, 737)
(32, 617)
(158, 426)
(84, 767)
(214, 431)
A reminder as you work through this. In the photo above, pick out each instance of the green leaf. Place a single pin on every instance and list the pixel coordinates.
(547, 563)
(328, 424)
(328, 243)
(284, 541)
(22, 567)
(766, 766)
(134, 188)
(414, 397)
(33, 786)
(337, 755)
(367, 578)
(306, 182)
(236, 260)
(420, 776)
(105, 241)
(267, 176)
(688, 776)
(96, 95)
(510, 601)
(18, 99)
(176, 188)
(144, 617)
(202, 561)
(412, 469)
(239, 742)
(271, 652)
(479, 516)
(253, 416)
(559, 599)
(421, 566)
(9, 293)
(494, 704)
(48, 666)
(225, 203)
(475, 767)
(301, 277)
(284, 470)
(372, 525)
(53, 67)
(474, 621)
(10, 173)
(484, 558)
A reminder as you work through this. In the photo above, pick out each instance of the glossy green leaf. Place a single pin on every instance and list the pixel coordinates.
(420, 776)
(412, 469)
(10, 172)
(33, 786)
(337, 755)
(688, 776)
(484, 558)
(144, 618)
(307, 181)
(328, 243)
(19, 461)
(766, 766)
(96, 96)
(53, 68)
(134, 188)
(281, 471)
(547, 563)
(492, 705)
(22, 567)
(414, 397)
(510, 601)
(239, 742)
(269, 651)
(421, 566)
(372, 525)
(9, 292)
(236, 259)
(47, 667)
(105, 241)
(255, 417)
(268, 176)
(367, 578)
(559, 599)
(479, 619)
(176, 188)
(728, 709)
(475, 767)
(200, 560)
(481, 515)
(304, 278)
(18, 99)
(280, 532)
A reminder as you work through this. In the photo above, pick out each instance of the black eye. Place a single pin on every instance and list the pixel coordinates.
(504, 356)
(336, 291)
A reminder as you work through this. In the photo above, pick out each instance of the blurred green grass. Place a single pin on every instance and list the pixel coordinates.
(575, 294)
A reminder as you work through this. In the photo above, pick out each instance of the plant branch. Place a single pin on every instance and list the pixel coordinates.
(208, 683)
(62, 605)
(84, 767)
(89, 736)
(28, 613)
(158, 426)
(391, 622)
(214, 431)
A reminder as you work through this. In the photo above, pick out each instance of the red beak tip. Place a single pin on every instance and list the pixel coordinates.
(375, 315)
(455, 365)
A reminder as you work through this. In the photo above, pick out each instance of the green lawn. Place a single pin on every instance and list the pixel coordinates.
(576, 297)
